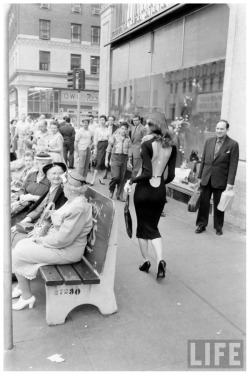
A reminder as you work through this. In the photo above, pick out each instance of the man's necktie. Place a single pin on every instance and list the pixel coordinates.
(217, 147)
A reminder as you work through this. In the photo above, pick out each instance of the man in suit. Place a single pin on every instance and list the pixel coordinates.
(137, 133)
(217, 172)
(68, 133)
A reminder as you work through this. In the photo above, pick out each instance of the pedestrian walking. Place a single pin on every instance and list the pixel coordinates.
(137, 133)
(112, 129)
(100, 146)
(68, 133)
(217, 172)
(158, 157)
(83, 141)
(41, 137)
(119, 148)
(55, 143)
(22, 134)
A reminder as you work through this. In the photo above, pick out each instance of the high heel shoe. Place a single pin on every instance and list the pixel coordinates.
(101, 182)
(22, 303)
(145, 266)
(161, 270)
(16, 292)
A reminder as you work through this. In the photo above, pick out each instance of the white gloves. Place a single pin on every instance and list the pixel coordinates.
(27, 197)
(128, 187)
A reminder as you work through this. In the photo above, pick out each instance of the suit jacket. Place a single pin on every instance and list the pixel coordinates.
(137, 133)
(59, 200)
(221, 169)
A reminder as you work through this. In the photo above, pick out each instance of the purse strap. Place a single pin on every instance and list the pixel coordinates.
(127, 201)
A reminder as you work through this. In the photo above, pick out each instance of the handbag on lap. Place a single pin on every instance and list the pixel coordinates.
(127, 217)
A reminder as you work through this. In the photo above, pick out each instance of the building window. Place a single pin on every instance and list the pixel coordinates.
(171, 88)
(44, 6)
(190, 86)
(204, 85)
(204, 70)
(96, 9)
(76, 8)
(44, 60)
(211, 84)
(95, 35)
(95, 65)
(220, 82)
(75, 62)
(176, 88)
(44, 29)
(75, 33)
(184, 87)
(124, 95)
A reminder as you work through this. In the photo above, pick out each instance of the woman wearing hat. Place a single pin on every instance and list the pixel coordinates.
(35, 185)
(64, 243)
(158, 154)
(55, 195)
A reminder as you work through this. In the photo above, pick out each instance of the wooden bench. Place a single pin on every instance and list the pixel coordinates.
(90, 281)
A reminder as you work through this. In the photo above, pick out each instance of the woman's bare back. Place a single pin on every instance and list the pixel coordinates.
(159, 160)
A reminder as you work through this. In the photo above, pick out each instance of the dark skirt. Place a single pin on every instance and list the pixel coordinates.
(149, 203)
(101, 154)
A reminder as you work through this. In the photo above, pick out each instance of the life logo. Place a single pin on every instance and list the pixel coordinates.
(215, 354)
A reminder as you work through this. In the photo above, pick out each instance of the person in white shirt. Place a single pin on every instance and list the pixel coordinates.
(41, 137)
(83, 141)
(22, 133)
(100, 145)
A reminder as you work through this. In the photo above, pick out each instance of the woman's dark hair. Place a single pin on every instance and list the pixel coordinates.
(158, 126)
(13, 121)
(86, 119)
(112, 117)
(123, 123)
(103, 116)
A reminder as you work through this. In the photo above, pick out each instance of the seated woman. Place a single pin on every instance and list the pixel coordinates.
(19, 178)
(35, 185)
(64, 244)
(55, 195)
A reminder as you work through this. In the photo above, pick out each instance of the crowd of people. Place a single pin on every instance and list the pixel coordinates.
(135, 154)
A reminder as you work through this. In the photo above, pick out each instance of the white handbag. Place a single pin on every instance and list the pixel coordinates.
(226, 200)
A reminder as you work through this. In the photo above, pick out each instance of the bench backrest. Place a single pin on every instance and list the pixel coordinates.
(98, 240)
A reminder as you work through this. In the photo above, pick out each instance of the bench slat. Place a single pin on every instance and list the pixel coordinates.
(86, 274)
(69, 275)
(51, 275)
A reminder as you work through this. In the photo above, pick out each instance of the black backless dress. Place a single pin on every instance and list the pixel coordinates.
(149, 201)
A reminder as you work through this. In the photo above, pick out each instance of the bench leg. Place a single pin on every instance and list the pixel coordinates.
(61, 299)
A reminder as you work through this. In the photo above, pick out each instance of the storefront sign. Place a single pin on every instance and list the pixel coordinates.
(209, 102)
(87, 97)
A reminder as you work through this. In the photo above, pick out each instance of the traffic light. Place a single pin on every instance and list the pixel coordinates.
(71, 80)
(81, 79)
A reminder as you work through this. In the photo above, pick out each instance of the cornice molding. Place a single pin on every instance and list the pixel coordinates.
(61, 45)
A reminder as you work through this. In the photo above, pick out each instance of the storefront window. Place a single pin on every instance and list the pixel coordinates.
(184, 83)
(43, 102)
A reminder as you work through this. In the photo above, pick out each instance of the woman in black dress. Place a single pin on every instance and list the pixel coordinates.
(158, 168)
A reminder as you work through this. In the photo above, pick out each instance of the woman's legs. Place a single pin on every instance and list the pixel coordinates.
(157, 245)
(24, 285)
(144, 248)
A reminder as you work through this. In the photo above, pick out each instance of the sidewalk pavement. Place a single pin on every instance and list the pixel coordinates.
(202, 297)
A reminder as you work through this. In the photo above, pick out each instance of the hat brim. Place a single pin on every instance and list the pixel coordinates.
(47, 167)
